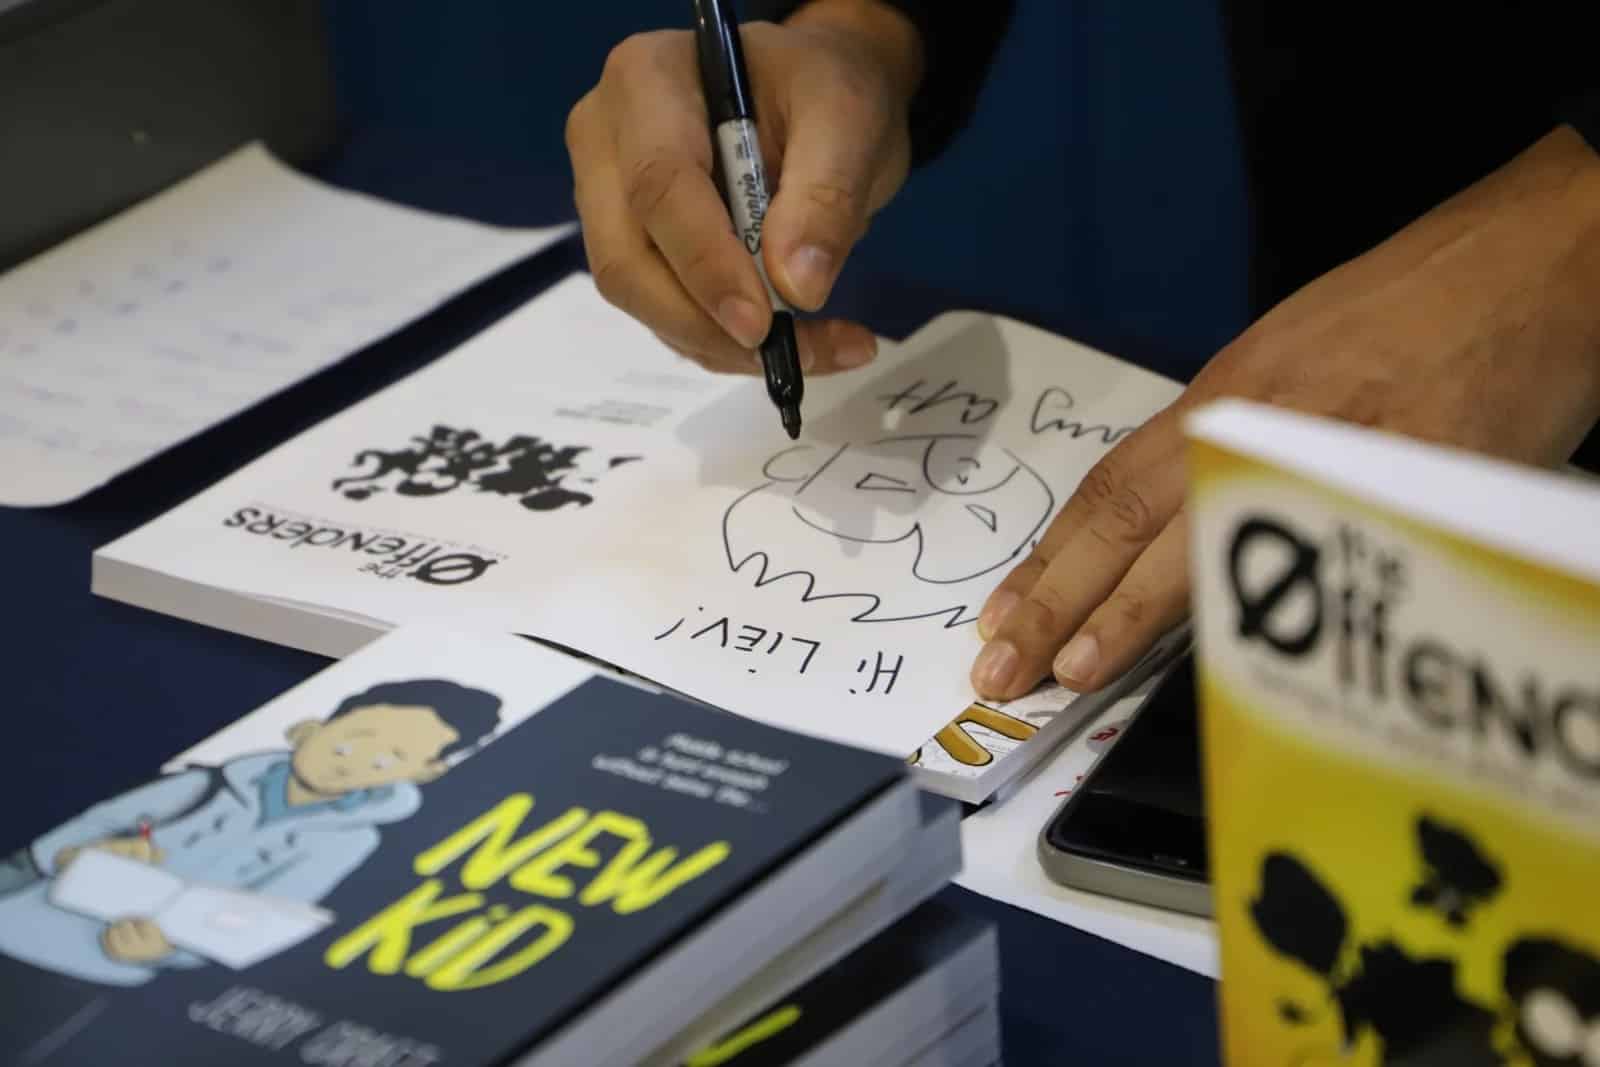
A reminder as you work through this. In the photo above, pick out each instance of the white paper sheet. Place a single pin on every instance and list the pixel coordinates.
(108, 887)
(565, 475)
(999, 858)
(203, 300)
(228, 926)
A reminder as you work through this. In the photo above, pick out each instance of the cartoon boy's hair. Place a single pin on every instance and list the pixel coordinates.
(472, 713)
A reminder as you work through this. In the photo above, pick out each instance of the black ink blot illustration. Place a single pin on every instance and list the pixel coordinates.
(1457, 877)
(1555, 990)
(528, 468)
(1410, 1004)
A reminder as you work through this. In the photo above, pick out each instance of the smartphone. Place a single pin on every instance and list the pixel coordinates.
(1134, 828)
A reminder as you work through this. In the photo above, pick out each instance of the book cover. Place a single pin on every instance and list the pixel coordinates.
(439, 850)
(953, 951)
(1400, 683)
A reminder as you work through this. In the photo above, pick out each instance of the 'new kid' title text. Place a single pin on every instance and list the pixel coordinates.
(483, 943)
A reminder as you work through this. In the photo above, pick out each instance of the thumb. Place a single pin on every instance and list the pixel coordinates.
(831, 165)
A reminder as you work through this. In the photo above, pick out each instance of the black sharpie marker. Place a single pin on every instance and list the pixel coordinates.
(731, 107)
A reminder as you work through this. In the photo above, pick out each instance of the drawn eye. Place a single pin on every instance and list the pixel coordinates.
(985, 516)
(883, 483)
(1551, 1024)
(341, 750)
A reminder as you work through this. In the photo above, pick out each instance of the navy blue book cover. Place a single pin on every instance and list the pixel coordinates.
(485, 888)
(809, 1017)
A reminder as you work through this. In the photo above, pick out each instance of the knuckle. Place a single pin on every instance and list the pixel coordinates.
(698, 265)
(1121, 505)
(1099, 485)
(1047, 615)
(611, 278)
(629, 54)
(1130, 509)
(572, 131)
(839, 200)
(1128, 609)
(650, 182)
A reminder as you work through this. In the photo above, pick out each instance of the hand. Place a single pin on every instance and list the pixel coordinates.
(135, 941)
(1477, 326)
(832, 87)
(133, 848)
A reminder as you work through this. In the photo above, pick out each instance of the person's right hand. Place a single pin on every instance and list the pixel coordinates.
(832, 89)
(133, 848)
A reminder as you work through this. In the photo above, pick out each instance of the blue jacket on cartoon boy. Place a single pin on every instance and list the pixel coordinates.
(290, 824)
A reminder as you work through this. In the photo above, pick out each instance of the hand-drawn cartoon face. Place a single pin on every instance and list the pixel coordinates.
(399, 732)
(861, 519)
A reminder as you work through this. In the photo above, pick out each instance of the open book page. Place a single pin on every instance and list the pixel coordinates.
(103, 885)
(237, 928)
(203, 300)
(566, 476)
(228, 926)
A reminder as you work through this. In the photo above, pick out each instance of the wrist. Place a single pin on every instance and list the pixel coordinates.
(880, 29)
(1562, 203)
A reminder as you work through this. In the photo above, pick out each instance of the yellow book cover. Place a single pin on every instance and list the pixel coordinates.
(1399, 672)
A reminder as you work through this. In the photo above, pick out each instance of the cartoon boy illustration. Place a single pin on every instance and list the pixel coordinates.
(288, 824)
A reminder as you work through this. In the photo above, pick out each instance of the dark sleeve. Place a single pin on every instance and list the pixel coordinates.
(959, 39)
(1583, 114)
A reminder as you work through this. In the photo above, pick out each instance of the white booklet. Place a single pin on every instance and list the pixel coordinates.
(563, 475)
(203, 300)
(234, 927)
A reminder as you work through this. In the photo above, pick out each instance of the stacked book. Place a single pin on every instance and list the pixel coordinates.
(1397, 644)
(465, 848)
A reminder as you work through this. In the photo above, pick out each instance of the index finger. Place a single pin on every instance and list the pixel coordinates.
(1117, 511)
(666, 163)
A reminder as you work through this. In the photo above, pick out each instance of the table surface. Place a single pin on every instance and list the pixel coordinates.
(106, 692)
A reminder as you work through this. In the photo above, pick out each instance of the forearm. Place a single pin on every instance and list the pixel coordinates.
(1509, 269)
(1537, 224)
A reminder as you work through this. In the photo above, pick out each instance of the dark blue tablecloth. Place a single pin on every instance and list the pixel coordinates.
(103, 693)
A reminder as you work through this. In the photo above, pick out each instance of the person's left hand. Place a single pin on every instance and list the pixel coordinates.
(1477, 326)
(135, 941)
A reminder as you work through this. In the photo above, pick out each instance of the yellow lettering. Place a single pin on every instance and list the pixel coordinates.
(630, 882)
(538, 876)
(492, 834)
(462, 971)
(769, 1025)
(446, 945)
(387, 935)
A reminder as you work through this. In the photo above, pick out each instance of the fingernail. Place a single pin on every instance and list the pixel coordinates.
(810, 274)
(1076, 664)
(742, 320)
(808, 358)
(995, 611)
(855, 354)
(993, 671)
